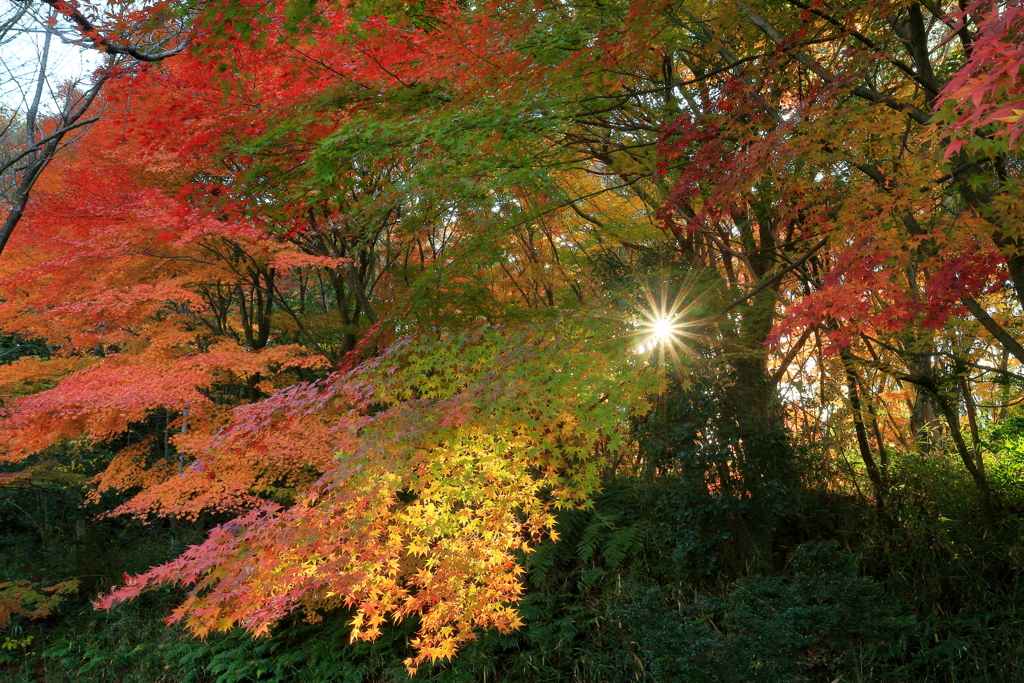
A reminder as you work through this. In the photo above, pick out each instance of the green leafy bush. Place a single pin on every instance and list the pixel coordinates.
(817, 620)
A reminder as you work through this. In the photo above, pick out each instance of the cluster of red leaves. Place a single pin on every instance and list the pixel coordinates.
(106, 272)
(987, 90)
(797, 155)
(261, 75)
(865, 292)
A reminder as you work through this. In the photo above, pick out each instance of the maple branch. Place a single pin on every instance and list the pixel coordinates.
(987, 321)
(631, 93)
(950, 413)
(383, 68)
(155, 253)
(769, 281)
(874, 473)
(585, 216)
(790, 355)
(994, 328)
(12, 22)
(859, 90)
(37, 475)
(282, 301)
(926, 381)
(44, 153)
(870, 44)
(41, 143)
(356, 285)
(919, 354)
(706, 36)
(101, 43)
(914, 35)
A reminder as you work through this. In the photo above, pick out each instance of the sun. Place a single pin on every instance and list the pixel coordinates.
(663, 330)
(660, 329)
(664, 323)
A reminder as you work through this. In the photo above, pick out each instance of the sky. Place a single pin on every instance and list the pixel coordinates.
(20, 51)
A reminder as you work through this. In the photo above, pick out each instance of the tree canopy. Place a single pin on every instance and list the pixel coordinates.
(387, 286)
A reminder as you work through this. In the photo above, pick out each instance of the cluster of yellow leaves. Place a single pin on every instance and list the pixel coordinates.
(451, 453)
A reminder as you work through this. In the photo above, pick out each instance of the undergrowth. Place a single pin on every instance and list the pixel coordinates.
(655, 583)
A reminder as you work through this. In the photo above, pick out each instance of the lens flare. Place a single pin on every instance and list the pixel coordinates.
(660, 329)
(663, 330)
(665, 322)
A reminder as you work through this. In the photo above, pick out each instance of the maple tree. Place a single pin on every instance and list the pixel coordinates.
(202, 304)
(368, 277)
(33, 136)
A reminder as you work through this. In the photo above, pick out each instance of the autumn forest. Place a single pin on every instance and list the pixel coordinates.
(586, 341)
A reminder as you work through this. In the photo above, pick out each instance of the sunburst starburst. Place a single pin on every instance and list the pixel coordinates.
(664, 323)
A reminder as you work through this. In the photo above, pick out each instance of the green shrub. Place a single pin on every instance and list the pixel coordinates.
(818, 620)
